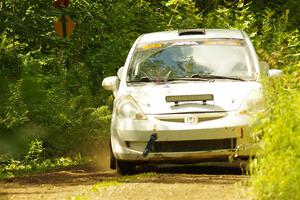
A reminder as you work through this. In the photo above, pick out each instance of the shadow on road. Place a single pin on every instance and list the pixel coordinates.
(162, 173)
(62, 183)
(196, 169)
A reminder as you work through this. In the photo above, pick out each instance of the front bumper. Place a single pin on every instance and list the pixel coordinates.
(129, 138)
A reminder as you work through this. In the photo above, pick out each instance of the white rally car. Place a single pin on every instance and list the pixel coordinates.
(185, 96)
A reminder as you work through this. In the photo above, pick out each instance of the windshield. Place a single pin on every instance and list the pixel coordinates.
(191, 59)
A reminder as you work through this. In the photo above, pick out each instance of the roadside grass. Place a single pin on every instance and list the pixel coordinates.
(34, 162)
(96, 189)
(275, 171)
(105, 184)
(16, 168)
(120, 180)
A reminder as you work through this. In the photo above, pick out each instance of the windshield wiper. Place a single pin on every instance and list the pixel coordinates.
(146, 79)
(143, 79)
(188, 79)
(217, 77)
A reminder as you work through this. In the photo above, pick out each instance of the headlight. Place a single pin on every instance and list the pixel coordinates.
(128, 109)
(252, 104)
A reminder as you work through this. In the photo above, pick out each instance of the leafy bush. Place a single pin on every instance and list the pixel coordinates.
(53, 84)
(275, 171)
(35, 161)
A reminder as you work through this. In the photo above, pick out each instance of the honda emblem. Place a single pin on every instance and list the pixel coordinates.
(191, 119)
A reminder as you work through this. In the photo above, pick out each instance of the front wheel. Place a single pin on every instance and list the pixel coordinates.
(124, 167)
(112, 159)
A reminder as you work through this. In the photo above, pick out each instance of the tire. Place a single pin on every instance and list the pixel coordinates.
(112, 159)
(125, 168)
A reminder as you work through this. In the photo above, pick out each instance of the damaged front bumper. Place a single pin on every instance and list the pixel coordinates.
(212, 140)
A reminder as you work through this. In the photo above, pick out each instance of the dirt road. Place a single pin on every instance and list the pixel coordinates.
(179, 182)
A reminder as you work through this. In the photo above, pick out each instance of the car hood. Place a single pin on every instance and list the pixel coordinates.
(228, 96)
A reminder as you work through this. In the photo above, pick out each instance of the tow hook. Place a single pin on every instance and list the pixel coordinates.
(149, 146)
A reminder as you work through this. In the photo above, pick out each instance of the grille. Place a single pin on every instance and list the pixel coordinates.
(201, 117)
(198, 145)
(181, 120)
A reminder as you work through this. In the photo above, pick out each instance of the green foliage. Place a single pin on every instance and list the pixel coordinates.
(35, 151)
(275, 171)
(54, 83)
(34, 161)
(16, 111)
(50, 86)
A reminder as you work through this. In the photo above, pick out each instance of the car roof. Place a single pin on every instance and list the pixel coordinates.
(206, 34)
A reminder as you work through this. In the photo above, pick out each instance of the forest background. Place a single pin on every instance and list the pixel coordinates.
(54, 113)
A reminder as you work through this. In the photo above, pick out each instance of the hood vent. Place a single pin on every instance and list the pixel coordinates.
(191, 32)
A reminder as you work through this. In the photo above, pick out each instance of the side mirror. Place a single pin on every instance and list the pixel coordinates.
(264, 67)
(111, 83)
(120, 73)
(273, 73)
